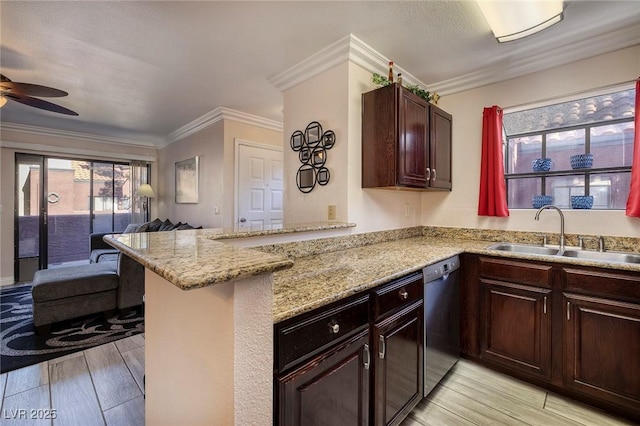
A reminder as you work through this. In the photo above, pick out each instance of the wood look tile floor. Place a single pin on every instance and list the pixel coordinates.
(104, 386)
(474, 395)
(98, 386)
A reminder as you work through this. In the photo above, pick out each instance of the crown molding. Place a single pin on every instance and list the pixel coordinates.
(585, 48)
(219, 114)
(56, 149)
(349, 48)
(87, 137)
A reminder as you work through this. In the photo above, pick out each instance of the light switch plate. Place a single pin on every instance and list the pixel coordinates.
(332, 212)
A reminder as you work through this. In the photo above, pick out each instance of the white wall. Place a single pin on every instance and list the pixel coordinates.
(215, 147)
(208, 145)
(334, 98)
(459, 208)
(323, 99)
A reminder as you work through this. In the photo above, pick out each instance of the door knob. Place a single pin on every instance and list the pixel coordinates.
(243, 220)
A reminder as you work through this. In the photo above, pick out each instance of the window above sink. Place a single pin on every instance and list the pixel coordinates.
(599, 125)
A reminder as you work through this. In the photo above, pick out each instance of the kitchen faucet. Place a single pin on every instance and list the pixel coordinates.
(537, 217)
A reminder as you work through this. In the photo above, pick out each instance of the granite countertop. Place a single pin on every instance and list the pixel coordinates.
(318, 280)
(287, 228)
(192, 259)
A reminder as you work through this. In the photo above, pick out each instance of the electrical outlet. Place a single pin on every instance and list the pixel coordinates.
(332, 212)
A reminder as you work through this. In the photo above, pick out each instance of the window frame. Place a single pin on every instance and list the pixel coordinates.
(585, 173)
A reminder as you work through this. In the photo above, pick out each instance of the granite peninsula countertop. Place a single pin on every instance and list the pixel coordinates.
(318, 280)
(192, 259)
(287, 228)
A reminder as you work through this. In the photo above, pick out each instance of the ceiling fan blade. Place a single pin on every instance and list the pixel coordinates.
(39, 103)
(32, 89)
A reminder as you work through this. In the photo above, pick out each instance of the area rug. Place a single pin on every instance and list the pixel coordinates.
(20, 346)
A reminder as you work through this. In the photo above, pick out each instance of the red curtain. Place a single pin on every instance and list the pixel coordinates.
(633, 202)
(493, 192)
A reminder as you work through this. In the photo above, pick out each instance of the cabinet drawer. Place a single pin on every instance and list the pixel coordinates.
(307, 336)
(397, 294)
(602, 282)
(516, 272)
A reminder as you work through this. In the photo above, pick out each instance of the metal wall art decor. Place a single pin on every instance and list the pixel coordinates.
(311, 146)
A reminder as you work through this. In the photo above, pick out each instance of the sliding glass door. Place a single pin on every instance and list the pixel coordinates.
(59, 203)
(68, 223)
(30, 249)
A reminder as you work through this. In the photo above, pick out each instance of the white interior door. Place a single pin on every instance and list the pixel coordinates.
(260, 187)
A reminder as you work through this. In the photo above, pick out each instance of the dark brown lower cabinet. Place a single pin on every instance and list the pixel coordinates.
(602, 348)
(355, 362)
(516, 327)
(398, 365)
(331, 389)
(573, 329)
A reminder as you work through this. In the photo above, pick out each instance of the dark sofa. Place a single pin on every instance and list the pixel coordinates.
(70, 292)
(112, 281)
(103, 252)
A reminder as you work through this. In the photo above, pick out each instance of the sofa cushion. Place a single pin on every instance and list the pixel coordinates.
(184, 226)
(101, 255)
(154, 225)
(132, 227)
(166, 226)
(60, 283)
(109, 257)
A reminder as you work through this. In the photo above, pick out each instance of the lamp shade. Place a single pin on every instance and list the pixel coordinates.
(145, 190)
(511, 20)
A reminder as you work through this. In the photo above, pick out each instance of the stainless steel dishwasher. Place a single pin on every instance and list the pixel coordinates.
(441, 320)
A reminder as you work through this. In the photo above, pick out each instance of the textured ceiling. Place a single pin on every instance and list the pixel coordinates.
(141, 70)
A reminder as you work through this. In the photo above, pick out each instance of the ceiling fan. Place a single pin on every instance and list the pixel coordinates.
(23, 92)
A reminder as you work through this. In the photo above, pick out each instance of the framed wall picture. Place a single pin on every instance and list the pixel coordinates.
(187, 181)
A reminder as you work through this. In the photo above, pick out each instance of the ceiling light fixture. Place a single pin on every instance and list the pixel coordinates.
(511, 20)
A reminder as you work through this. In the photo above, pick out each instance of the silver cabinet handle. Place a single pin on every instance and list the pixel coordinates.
(428, 170)
(544, 309)
(334, 328)
(383, 348)
(367, 357)
(403, 294)
(434, 175)
(568, 311)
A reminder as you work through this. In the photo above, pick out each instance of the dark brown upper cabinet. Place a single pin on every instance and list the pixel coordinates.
(406, 141)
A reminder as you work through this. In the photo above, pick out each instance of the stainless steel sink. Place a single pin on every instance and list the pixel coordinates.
(606, 256)
(524, 248)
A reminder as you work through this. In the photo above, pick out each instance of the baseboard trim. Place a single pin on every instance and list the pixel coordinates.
(6, 281)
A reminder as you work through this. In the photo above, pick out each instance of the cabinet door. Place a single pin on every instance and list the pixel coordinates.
(602, 349)
(398, 365)
(331, 389)
(413, 140)
(440, 148)
(517, 327)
